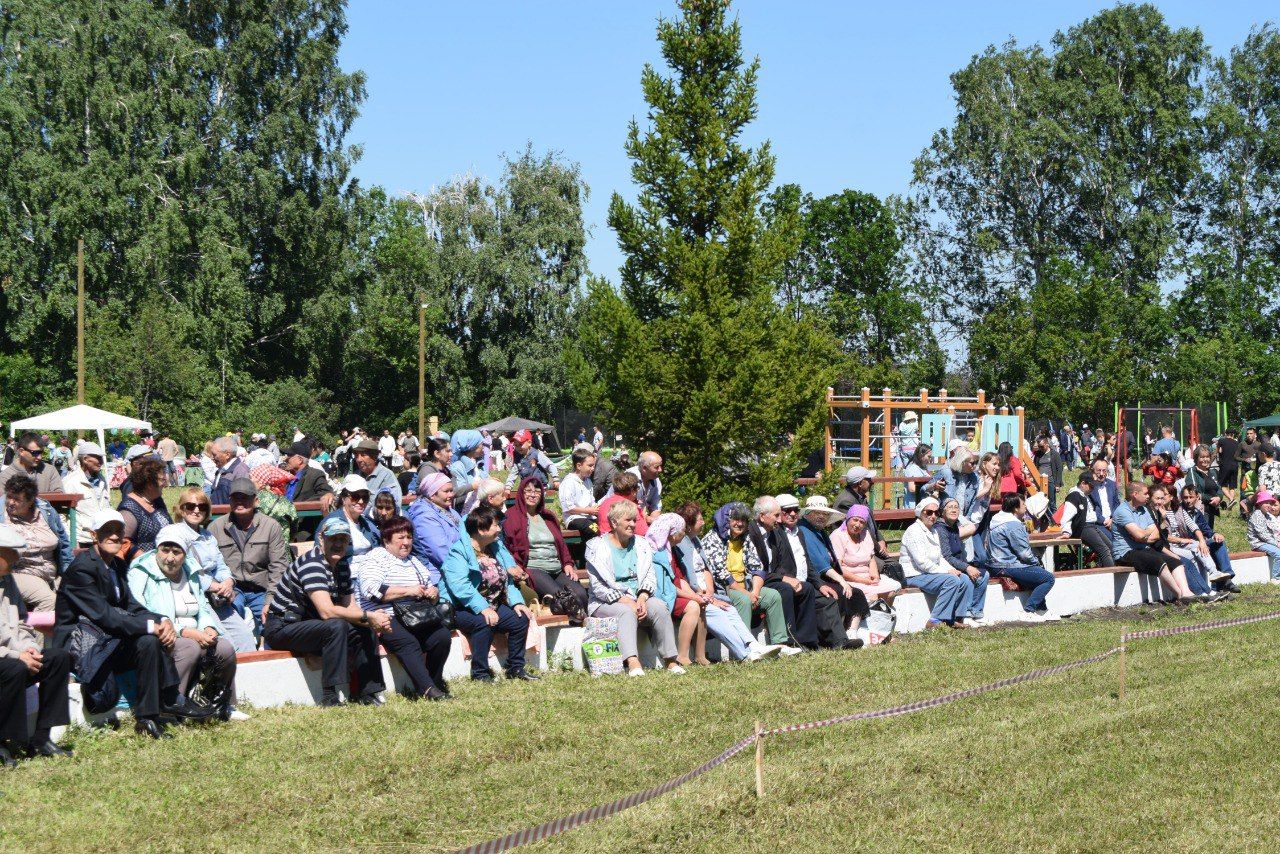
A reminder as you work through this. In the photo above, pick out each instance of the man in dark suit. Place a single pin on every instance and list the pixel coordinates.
(798, 595)
(309, 484)
(94, 588)
(24, 662)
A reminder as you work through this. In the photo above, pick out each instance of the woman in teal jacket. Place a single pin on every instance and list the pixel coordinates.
(475, 578)
(167, 582)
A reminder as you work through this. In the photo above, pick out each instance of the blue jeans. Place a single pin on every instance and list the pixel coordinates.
(1197, 582)
(1273, 554)
(1037, 578)
(726, 625)
(252, 600)
(1222, 557)
(480, 635)
(977, 602)
(235, 628)
(951, 594)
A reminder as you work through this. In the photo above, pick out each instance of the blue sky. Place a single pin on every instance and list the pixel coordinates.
(849, 93)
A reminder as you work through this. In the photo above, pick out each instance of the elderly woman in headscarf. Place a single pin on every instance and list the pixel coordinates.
(953, 529)
(739, 573)
(855, 548)
(926, 568)
(436, 525)
(685, 604)
(468, 447)
(532, 534)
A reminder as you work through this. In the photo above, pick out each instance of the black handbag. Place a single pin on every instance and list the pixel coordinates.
(423, 613)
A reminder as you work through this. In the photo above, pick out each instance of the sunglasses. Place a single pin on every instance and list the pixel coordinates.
(928, 512)
(359, 497)
(35, 452)
(191, 508)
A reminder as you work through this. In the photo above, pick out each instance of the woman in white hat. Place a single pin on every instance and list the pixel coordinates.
(166, 580)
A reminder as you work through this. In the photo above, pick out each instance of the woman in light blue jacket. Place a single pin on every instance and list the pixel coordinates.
(1009, 554)
(475, 578)
(166, 581)
(436, 525)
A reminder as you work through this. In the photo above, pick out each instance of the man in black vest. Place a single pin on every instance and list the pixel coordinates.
(798, 595)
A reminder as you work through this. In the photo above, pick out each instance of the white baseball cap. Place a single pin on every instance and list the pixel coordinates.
(104, 517)
(90, 449)
(787, 501)
(857, 474)
(137, 452)
(354, 483)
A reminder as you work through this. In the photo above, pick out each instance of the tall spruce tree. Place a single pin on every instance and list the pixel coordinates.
(694, 356)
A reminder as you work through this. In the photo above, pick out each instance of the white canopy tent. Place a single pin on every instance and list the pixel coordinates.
(80, 417)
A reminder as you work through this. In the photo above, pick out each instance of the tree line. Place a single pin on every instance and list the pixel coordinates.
(1099, 223)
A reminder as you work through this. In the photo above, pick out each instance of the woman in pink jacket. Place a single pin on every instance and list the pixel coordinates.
(855, 549)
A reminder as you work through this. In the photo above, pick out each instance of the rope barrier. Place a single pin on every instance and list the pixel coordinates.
(569, 822)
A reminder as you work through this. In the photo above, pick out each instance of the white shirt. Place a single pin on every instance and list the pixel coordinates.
(386, 446)
(1103, 501)
(575, 492)
(97, 497)
(921, 551)
(797, 549)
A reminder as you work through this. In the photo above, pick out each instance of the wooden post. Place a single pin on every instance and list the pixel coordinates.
(80, 321)
(826, 445)
(422, 373)
(886, 489)
(759, 761)
(1124, 630)
(866, 439)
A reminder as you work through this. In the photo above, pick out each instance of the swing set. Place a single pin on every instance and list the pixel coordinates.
(862, 426)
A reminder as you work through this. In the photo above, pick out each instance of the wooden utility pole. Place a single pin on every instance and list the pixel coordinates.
(80, 320)
(422, 372)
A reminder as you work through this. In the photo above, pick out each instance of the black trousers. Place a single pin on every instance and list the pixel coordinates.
(1098, 539)
(421, 652)
(588, 528)
(157, 674)
(54, 673)
(833, 615)
(799, 610)
(546, 584)
(1149, 561)
(342, 647)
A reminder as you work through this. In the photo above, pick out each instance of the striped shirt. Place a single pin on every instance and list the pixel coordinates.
(378, 570)
(311, 572)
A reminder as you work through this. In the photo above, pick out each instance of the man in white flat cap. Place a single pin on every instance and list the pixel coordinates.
(87, 481)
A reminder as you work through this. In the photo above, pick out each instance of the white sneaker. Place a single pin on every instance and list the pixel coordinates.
(783, 649)
(1217, 575)
(758, 651)
(675, 669)
(1050, 617)
(639, 671)
(971, 623)
(1031, 617)
(237, 715)
(1274, 581)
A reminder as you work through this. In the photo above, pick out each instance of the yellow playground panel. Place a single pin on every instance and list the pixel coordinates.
(862, 426)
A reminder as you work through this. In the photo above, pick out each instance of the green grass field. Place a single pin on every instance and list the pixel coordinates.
(1184, 762)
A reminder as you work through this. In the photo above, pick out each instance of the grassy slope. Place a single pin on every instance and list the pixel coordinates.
(1061, 764)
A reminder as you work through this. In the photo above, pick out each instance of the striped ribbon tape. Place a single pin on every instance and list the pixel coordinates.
(1200, 627)
(569, 822)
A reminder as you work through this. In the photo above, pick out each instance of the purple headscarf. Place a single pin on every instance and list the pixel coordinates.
(663, 529)
(431, 484)
(721, 518)
(858, 511)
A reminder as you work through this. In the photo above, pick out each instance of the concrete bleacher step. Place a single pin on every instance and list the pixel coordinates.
(272, 678)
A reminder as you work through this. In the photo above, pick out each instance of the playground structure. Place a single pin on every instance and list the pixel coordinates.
(1186, 422)
(860, 425)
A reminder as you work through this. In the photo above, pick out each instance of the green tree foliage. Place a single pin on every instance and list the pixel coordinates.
(197, 149)
(1056, 211)
(851, 274)
(497, 268)
(694, 354)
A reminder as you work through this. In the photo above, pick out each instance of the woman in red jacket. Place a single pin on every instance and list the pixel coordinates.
(533, 537)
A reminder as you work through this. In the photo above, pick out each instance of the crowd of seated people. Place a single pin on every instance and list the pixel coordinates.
(172, 603)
